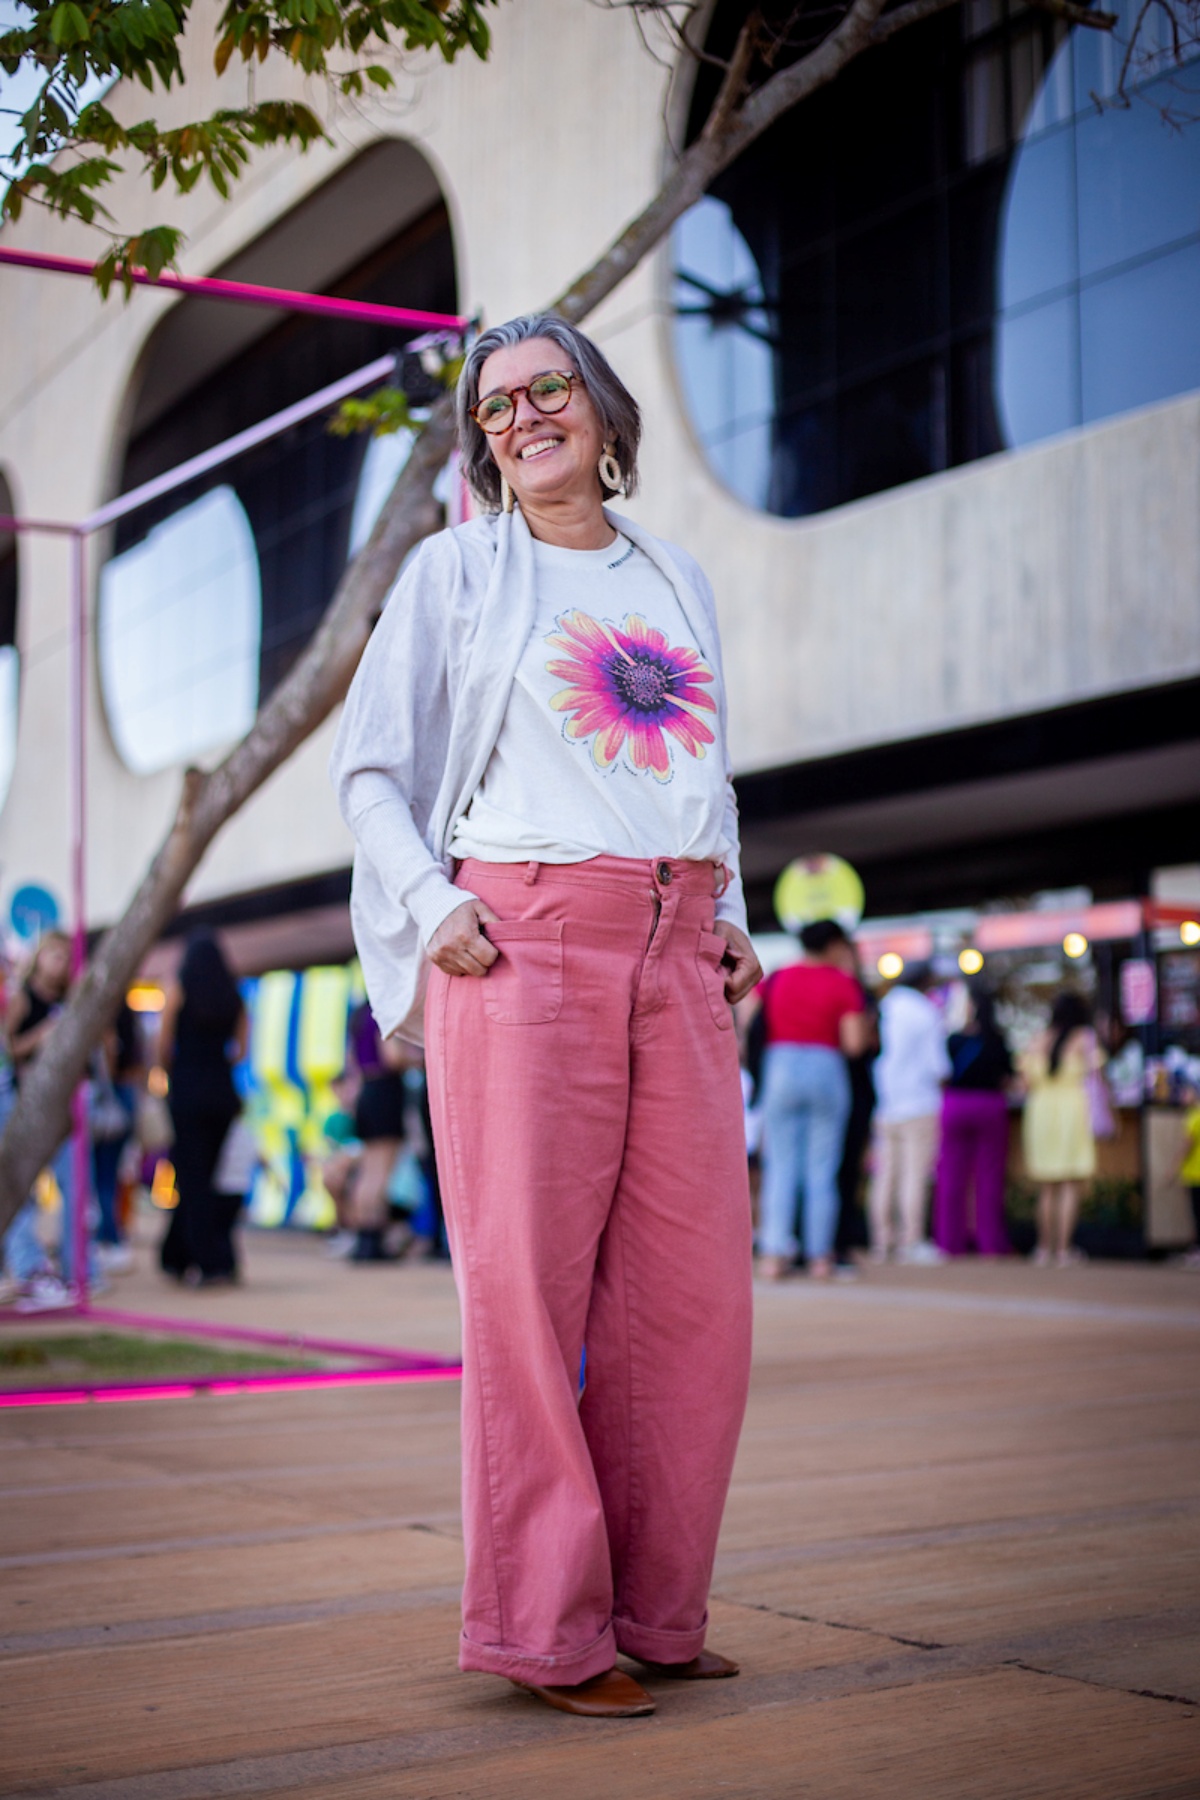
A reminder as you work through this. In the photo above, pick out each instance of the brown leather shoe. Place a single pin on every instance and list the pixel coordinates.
(710, 1665)
(613, 1695)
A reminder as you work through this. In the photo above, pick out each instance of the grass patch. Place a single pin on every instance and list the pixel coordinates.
(77, 1356)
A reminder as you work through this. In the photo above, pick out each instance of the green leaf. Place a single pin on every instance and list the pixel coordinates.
(68, 24)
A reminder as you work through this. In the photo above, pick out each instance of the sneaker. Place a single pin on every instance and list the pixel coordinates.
(845, 1271)
(45, 1293)
(116, 1259)
(397, 1240)
(1040, 1258)
(926, 1255)
(341, 1244)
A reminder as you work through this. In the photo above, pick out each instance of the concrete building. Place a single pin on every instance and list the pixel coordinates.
(921, 381)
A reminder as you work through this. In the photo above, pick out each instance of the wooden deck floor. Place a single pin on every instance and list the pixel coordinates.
(961, 1561)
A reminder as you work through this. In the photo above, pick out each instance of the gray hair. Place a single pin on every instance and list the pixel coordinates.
(614, 403)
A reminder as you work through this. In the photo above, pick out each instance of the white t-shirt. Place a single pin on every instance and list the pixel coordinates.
(913, 1060)
(610, 742)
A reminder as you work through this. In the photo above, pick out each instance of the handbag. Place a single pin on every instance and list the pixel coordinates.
(108, 1116)
(1099, 1106)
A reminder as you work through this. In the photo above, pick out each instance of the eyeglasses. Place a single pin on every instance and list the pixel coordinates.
(548, 393)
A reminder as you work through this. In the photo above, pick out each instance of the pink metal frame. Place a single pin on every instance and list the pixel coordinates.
(383, 368)
(383, 1363)
(247, 293)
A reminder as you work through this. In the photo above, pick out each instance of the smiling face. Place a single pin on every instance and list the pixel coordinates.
(546, 459)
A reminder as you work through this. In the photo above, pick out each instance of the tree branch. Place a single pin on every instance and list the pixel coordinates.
(1078, 15)
(904, 16)
(704, 159)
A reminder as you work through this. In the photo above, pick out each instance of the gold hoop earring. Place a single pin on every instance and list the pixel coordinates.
(610, 470)
(506, 495)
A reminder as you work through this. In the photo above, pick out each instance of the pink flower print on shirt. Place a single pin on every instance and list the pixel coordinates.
(628, 682)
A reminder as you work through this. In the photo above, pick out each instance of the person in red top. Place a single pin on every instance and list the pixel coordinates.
(815, 1017)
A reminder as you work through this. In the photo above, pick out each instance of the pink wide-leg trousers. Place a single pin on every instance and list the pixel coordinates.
(587, 1113)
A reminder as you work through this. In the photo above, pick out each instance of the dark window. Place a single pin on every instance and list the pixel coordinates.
(950, 252)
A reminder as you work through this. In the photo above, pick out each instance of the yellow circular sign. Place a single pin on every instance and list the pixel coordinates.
(818, 887)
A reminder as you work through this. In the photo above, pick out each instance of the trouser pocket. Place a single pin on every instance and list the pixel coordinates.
(524, 986)
(710, 953)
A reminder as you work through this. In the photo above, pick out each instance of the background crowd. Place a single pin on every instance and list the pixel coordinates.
(876, 1125)
(843, 1085)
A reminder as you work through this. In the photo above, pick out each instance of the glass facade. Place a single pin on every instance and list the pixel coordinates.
(179, 635)
(952, 252)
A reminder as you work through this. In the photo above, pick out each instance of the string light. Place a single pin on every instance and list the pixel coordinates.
(145, 997)
(970, 960)
(890, 965)
(1075, 944)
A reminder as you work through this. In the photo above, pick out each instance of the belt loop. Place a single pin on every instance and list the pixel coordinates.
(531, 873)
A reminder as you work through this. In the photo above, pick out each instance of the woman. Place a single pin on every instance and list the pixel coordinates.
(201, 1034)
(815, 1017)
(974, 1134)
(1060, 1148)
(532, 760)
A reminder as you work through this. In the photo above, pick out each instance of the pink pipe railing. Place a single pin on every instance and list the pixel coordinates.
(248, 293)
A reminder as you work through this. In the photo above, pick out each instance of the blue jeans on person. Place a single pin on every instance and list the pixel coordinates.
(106, 1163)
(806, 1103)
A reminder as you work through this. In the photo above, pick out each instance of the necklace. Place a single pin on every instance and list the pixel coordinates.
(623, 558)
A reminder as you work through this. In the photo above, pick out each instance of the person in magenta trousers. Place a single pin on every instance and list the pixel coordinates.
(974, 1147)
(532, 760)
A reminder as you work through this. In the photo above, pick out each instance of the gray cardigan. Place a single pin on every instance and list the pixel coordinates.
(420, 723)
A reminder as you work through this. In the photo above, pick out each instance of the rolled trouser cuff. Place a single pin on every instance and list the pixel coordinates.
(546, 1671)
(644, 1642)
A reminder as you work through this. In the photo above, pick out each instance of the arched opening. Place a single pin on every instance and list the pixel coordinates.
(952, 251)
(209, 596)
(10, 671)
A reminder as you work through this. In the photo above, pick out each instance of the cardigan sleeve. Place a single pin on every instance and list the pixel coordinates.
(391, 744)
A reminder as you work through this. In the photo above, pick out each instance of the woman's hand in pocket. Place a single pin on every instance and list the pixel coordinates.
(458, 946)
(743, 971)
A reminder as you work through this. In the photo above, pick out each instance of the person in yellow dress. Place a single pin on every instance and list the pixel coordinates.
(1057, 1135)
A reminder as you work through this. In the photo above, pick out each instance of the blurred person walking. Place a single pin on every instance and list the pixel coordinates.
(202, 1033)
(851, 1231)
(814, 1014)
(909, 1071)
(532, 759)
(112, 1113)
(1056, 1130)
(974, 1134)
(31, 1016)
(379, 1127)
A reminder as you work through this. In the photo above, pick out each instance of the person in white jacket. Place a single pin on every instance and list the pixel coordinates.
(912, 1065)
(532, 759)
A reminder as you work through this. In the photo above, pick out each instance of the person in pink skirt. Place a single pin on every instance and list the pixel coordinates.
(532, 759)
(974, 1147)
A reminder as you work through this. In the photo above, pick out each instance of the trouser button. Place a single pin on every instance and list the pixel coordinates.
(663, 872)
